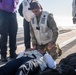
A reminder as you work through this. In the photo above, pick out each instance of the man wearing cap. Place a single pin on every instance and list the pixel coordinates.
(8, 24)
(44, 31)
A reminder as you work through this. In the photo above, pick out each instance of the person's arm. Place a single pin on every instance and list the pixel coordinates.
(20, 9)
(52, 25)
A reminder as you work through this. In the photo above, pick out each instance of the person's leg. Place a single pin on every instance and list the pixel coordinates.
(12, 34)
(12, 66)
(0, 38)
(26, 34)
(0, 41)
(53, 52)
(4, 22)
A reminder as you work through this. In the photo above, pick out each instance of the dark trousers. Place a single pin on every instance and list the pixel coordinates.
(12, 66)
(26, 34)
(0, 42)
(0, 39)
(8, 24)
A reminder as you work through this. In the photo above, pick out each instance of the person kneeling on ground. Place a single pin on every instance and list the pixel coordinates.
(44, 31)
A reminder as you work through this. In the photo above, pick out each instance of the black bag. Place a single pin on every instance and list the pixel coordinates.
(67, 66)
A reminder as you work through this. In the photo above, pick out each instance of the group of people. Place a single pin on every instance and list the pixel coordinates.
(39, 27)
(38, 24)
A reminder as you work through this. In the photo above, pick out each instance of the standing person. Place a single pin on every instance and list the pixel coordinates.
(23, 12)
(26, 28)
(0, 41)
(43, 30)
(0, 44)
(9, 27)
(74, 11)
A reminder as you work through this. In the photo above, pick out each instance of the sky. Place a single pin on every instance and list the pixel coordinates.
(61, 10)
(57, 7)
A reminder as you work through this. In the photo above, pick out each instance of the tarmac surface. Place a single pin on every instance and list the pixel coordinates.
(67, 52)
(66, 41)
(63, 40)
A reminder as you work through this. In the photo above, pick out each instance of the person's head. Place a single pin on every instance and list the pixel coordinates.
(35, 8)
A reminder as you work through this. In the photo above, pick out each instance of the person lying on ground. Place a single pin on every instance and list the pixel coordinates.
(42, 60)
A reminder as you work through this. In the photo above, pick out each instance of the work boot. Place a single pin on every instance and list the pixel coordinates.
(4, 59)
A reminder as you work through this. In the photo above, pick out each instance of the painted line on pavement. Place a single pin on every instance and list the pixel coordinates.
(61, 45)
(67, 42)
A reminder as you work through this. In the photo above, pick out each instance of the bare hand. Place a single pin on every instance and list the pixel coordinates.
(34, 47)
(50, 46)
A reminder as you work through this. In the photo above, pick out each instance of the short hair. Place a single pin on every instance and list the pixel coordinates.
(34, 5)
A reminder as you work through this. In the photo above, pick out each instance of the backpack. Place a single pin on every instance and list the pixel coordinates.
(67, 66)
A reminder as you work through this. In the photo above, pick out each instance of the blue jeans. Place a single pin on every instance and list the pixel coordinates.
(26, 34)
(12, 66)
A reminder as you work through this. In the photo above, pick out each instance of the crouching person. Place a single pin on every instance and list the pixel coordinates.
(44, 31)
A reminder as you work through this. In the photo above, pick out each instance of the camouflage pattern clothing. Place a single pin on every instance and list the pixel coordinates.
(51, 26)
